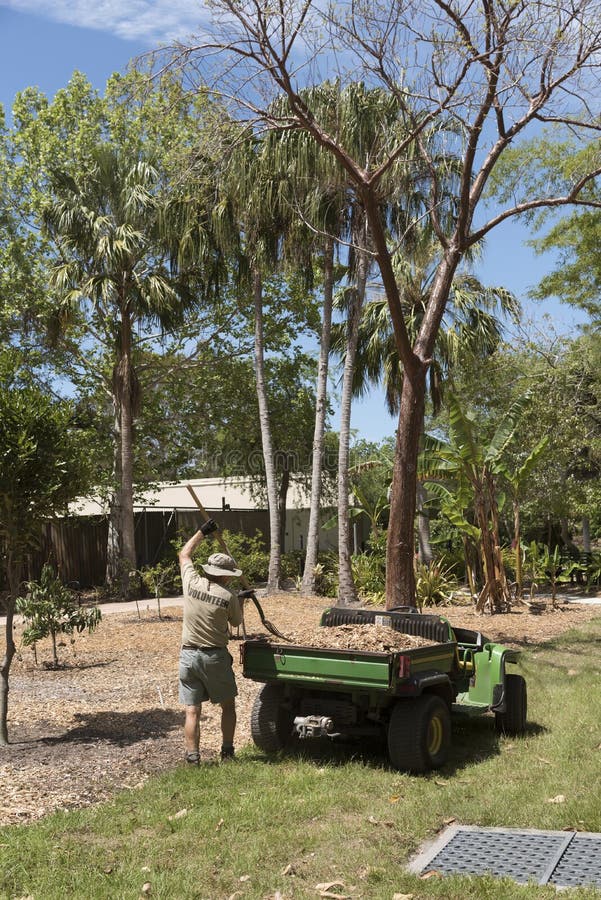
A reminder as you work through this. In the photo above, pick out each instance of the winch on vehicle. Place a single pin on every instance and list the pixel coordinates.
(313, 726)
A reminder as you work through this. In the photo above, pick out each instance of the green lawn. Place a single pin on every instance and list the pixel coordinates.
(256, 827)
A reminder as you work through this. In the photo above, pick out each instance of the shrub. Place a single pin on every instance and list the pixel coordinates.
(250, 553)
(591, 567)
(326, 575)
(49, 608)
(292, 564)
(160, 580)
(369, 571)
(434, 584)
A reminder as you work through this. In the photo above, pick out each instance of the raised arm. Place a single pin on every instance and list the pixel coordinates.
(185, 554)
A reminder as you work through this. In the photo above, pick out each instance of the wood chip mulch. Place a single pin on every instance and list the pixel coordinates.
(374, 638)
(110, 717)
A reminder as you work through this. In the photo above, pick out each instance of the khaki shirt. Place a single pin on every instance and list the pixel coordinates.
(208, 609)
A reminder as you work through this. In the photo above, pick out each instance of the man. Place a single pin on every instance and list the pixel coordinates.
(205, 666)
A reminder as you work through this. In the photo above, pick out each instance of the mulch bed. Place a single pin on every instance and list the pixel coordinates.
(374, 639)
(110, 717)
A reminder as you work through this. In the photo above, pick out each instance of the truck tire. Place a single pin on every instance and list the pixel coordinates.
(419, 733)
(270, 722)
(513, 720)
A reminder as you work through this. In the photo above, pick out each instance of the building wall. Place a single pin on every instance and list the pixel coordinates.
(77, 545)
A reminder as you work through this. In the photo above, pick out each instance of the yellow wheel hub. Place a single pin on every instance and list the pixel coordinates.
(435, 735)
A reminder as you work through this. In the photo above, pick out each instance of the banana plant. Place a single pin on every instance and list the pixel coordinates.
(547, 565)
(464, 474)
(515, 479)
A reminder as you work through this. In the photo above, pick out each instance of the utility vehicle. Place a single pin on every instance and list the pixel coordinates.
(405, 696)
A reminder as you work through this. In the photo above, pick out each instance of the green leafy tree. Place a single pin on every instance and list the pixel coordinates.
(494, 71)
(42, 467)
(24, 300)
(575, 277)
(125, 242)
(50, 609)
(115, 266)
(562, 378)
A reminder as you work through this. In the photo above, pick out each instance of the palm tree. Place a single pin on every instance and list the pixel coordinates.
(471, 329)
(321, 405)
(347, 593)
(317, 203)
(250, 185)
(119, 268)
(362, 120)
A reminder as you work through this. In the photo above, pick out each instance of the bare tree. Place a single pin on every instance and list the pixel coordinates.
(487, 75)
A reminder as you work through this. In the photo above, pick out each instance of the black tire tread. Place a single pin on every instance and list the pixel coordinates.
(269, 724)
(407, 733)
(513, 720)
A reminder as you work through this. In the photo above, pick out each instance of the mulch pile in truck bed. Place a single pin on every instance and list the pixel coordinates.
(374, 638)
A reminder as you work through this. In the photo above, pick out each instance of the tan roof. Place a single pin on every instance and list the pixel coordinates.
(212, 493)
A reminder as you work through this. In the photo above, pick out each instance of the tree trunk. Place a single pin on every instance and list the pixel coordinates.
(113, 547)
(469, 571)
(13, 570)
(347, 593)
(9, 652)
(321, 399)
(273, 577)
(400, 571)
(283, 502)
(586, 535)
(517, 541)
(495, 591)
(54, 648)
(127, 456)
(424, 548)
(503, 598)
(488, 594)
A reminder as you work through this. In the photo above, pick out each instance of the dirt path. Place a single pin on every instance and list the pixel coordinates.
(111, 717)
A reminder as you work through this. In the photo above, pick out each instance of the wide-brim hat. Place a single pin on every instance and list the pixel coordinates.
(221, 564)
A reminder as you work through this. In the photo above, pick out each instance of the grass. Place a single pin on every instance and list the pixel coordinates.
(257, 827)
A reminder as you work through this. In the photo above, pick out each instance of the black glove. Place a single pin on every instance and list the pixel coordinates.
(209, 526)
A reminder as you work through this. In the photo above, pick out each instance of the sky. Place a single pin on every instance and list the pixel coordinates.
(42, 42)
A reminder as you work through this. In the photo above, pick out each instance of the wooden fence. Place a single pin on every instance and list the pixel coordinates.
(77, 546)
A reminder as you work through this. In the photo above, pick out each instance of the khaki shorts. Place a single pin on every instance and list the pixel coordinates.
(206, 675)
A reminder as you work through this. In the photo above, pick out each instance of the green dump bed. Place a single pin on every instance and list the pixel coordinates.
(342, 669)
(335, 669)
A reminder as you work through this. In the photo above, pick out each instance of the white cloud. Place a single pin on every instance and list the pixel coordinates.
(148, 21)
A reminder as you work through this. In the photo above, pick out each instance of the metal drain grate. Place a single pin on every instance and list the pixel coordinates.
(581, 863)
(564, 859)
